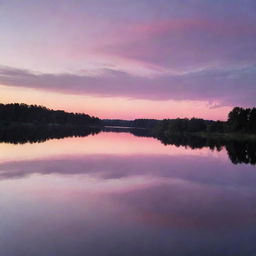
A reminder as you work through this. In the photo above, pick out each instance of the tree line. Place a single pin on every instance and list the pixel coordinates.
(242, 120)
(136, 123)
(34, 114)
(239, 120)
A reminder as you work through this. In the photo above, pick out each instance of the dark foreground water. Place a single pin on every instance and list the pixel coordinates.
(118, 194)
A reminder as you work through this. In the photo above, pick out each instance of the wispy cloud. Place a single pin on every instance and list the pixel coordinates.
(232, 86)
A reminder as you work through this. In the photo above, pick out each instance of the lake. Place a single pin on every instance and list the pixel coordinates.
(114, 193)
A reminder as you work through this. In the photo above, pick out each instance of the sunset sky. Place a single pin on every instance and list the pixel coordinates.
(130, 58)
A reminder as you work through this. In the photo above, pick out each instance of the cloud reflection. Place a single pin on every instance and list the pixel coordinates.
(222, 194)
(184, 195)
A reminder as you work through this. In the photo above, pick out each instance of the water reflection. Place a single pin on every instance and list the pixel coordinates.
(38, 134)
(117, 194)
(238, 151)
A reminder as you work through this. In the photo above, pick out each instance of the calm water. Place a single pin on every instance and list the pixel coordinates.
(118, 194)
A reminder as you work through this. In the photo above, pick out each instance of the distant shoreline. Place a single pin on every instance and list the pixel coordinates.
(240, 124)
(234, 136)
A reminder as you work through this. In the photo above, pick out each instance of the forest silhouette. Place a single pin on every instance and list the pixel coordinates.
(21, 123)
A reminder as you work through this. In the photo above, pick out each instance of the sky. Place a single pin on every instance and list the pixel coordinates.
(130, 58)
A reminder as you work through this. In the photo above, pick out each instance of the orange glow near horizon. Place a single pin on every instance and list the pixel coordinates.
(114, 108)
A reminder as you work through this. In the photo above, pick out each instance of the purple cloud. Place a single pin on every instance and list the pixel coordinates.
(184, 44)
(229, 86)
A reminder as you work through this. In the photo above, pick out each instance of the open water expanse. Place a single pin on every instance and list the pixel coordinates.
(118, 194)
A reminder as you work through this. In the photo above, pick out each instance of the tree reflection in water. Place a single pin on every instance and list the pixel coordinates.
(243, 151)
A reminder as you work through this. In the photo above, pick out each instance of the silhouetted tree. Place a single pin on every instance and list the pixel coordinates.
(217, 126)
(252, 121)
(22, 113)
(238, 119)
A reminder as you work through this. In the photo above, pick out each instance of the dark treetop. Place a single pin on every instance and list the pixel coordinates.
(33, 114)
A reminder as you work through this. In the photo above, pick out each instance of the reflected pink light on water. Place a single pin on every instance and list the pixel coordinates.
(102, 143)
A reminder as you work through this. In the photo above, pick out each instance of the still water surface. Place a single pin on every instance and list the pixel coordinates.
(118, 194)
